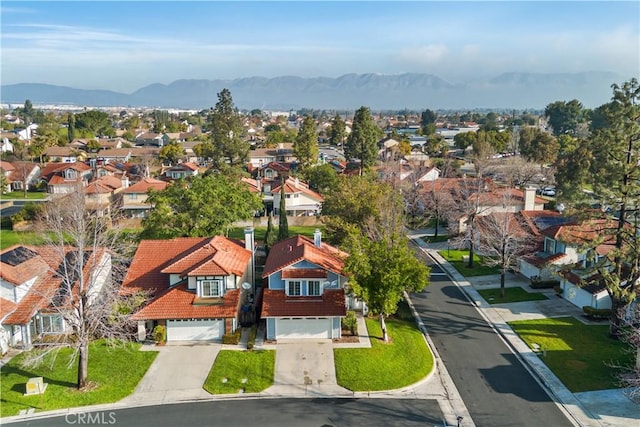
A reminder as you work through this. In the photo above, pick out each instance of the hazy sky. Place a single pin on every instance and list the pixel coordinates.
(124, 45)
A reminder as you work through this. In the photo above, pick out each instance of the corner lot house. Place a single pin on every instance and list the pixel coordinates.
(195, 285)
(305, 295)
(30, 282)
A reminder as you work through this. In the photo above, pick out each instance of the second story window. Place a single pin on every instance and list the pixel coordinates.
(294, 288)
(550, 246)
(211, 288)
(314, 287)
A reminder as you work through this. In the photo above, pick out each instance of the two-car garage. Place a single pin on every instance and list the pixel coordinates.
(195, 329)
(299, 327)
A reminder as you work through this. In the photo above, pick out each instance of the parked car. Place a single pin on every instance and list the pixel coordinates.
(548, 191)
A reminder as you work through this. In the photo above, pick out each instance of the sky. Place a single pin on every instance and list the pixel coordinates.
(125, 45)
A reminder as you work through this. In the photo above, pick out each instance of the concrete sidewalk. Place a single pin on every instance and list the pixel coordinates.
(599, 408)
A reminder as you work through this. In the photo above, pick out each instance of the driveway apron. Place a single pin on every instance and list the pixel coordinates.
(177, 373)
(305, 363)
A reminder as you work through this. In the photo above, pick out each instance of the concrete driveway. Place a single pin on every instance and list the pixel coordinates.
(305, 367)
(177, 373)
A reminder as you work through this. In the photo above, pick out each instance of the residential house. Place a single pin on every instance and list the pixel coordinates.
(153, 139)
(299, 199)
(6, 168)
(181, 171)
(23, 175)
(28, 132)
(134, 198)
(64, 178)
(66, 154)
(304, 295)
(6, 142)
(196, 285)
(568, 250)
(262, 156)
(101, 193)
(29, 283)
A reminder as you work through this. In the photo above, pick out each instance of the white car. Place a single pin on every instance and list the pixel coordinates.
(548, 191)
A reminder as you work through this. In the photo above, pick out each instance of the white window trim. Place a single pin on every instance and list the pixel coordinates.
(319, 282)
(288, 285)
(201, 283)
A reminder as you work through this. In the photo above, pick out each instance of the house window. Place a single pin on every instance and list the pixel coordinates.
(133, 196)
(70, 174)
(550, 246)
(287, 196)
(293, 287)
(51, 324)
(314, 287)
(211, 288)
(590, 259)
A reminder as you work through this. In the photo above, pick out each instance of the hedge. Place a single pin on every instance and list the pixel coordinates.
(596, 313)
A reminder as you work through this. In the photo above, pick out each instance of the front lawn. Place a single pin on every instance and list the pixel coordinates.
(31, 195)
(10, 238)
(405, 360)
(114, 373)
(455, 258)
(492, 296)
(249, 371)
(578, 354)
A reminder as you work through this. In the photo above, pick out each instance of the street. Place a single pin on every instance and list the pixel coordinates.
(495, 386)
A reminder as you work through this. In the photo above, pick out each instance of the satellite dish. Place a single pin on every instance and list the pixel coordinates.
(246, 286)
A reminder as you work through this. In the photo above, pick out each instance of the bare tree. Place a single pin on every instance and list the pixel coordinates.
(22, 172)
(85, 259)
(629, 375)
(519, 172)
(436, 202)
(503, 238)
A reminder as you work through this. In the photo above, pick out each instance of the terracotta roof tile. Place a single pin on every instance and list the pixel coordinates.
(178, 303)
(276, 303)
(6, 307)
(143, 186)
(298, 248)
(304, 273)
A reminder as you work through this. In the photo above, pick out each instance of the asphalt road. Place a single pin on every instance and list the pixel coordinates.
(493, 383)
(292, 412)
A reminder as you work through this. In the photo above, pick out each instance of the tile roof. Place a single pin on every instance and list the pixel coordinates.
(293, 185)
(143, 186)
(178, 303)
(6, 166)
(276, 303)
(304, 273)
(186, 256)
(6, 307)
(298, 248)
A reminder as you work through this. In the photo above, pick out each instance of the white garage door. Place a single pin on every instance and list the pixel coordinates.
(303, 328)
(195, 330)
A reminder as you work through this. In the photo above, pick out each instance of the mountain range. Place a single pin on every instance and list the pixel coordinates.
(413, 91)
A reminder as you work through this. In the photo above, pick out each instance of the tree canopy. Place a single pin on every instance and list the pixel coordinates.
(362, 143)
(226, 132)
(305, 146)
(564, 117)
(205, 205)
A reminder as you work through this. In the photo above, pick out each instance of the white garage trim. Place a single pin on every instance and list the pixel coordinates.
(195, 329)
(300, 327)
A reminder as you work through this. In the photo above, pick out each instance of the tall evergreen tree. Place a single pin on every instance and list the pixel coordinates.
(305, 146)
(362, 143)
(283, 224)
(269, 236)
(226, 131)
(71, 127)
(338, 130)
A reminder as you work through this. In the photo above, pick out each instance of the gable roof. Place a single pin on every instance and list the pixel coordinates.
(143, 186)
(20, 263)
(293, 185)
(186, 256)
(299, 248)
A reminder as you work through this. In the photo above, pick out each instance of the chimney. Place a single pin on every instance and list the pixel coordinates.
(529, 199)
(317, 237)
(249, 245)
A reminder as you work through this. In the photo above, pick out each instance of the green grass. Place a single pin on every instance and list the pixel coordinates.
(115, 372)
(10, 237)
(31, 195)
(403, 361)
(259, 232)
(579, 355)
(454, 256)
(257, 366)
(492, 296)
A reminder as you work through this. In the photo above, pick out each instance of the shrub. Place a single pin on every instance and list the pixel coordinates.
(596, 313)
(159, 334)
(233, 338)
(350, 323)
(537, 283)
